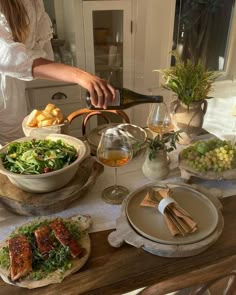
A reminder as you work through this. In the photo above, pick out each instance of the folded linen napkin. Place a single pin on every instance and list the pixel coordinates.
(178, 220)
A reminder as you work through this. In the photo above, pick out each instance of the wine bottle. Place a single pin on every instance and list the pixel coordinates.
(126, 98)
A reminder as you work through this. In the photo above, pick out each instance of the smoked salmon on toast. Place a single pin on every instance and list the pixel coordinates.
(20, 257)
(44, 251)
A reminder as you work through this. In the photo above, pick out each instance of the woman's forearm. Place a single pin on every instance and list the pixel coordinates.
(50, 70)
(100, 91)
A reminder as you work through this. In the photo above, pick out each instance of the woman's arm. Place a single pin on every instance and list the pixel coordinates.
(100, 91)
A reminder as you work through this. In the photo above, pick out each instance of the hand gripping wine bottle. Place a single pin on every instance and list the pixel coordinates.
(126, 98)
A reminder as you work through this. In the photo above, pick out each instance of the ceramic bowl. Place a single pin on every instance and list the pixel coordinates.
(47, 182)
(41, 132)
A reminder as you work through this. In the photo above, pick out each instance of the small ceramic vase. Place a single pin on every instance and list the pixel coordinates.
(157, 168)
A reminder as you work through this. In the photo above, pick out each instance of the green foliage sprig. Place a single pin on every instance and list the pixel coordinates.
(189, 81)
(160, 142)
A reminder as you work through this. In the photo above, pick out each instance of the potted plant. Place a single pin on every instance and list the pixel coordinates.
(191, 83)
(156, 164)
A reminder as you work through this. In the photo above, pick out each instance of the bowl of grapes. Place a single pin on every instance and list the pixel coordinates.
(209, 159)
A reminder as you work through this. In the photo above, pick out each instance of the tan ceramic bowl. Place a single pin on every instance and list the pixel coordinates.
(47, 182)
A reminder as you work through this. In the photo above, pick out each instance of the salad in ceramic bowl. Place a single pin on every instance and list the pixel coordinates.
(42, 165)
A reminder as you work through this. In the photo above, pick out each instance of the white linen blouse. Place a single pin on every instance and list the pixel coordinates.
(16, 67)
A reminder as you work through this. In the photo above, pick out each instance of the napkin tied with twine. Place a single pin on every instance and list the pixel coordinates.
(178, 220)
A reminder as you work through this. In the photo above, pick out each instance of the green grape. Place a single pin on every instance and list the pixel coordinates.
(213, 155)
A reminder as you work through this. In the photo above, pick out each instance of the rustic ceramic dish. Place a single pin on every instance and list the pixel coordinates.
(187, 172)
(47, 182)
(150, 223)
(125, 232)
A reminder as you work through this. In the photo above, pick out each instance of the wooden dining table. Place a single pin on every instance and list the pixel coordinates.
(111, 271)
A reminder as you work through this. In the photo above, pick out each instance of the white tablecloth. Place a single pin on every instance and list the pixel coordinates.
(104, 215)
(218, 121)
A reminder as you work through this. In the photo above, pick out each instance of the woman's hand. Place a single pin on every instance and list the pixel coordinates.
(101, 92)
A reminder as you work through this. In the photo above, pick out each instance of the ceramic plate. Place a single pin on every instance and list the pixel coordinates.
(150, 223)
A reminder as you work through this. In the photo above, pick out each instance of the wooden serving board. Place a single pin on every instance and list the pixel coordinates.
(126, 233)
(34, 204)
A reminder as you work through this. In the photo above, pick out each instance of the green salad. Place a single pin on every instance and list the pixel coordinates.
(38, 156)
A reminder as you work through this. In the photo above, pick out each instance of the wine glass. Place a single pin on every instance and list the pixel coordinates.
(159, 120)
(114, 150)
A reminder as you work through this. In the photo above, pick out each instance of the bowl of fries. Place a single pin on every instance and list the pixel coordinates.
(40, 123)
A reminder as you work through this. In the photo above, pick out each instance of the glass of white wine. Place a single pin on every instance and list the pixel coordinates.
(159, 120)
(114, 150)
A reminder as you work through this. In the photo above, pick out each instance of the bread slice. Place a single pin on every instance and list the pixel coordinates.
(49, 107)
(84, 222)
(58, 114)
(43, 116)
(32, 119)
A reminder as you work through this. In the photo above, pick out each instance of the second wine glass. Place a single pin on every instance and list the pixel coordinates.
(114, 150)
(159, 120)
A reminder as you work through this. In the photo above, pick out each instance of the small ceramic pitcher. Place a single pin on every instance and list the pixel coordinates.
(188, 118)
(158, 167)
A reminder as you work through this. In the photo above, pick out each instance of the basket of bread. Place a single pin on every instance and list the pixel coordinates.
(44, 122)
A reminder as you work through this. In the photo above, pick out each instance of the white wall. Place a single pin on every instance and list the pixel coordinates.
(154, 21)
(153, 29)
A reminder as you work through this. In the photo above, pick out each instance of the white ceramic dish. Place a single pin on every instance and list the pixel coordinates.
(51, 181)
(150, 223)
(44, 131)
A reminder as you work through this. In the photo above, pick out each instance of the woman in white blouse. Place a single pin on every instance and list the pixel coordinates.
(26, 54)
